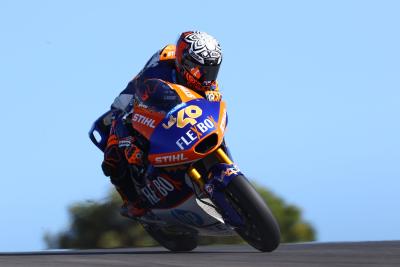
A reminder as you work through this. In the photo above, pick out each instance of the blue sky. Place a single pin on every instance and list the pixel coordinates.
(312, 89)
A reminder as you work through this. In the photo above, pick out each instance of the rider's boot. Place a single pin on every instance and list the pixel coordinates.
(134, 205)
(132, 208)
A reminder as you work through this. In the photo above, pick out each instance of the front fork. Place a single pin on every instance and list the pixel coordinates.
(216, 180)
(196, 176)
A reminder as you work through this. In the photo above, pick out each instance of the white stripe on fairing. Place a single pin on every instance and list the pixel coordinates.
(209, 209)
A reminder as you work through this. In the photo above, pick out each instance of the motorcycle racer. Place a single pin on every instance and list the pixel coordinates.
(194, 63)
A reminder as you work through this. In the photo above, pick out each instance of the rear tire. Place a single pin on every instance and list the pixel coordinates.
(176, 242)
(260, 228)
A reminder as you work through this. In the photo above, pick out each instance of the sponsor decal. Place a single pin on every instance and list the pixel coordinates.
(174, 158)
(159, 188)
(209, 189)
(169, 54)
(187, 217)
(184, 117)
(228, 172)
(171, 122)
(125, 142)
(195, 132)
(141, 105)
(143, 120)
(187, 92)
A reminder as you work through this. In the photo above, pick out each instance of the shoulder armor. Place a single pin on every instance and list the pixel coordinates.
(167, 53)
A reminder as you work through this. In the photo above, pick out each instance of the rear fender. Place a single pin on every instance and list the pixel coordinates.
(219, 176)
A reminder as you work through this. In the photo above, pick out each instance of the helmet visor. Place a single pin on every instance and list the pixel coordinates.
(202, 73)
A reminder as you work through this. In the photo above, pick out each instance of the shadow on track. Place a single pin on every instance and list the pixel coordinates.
(131, 251)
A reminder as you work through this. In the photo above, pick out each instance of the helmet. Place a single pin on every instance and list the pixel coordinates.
(198, 57)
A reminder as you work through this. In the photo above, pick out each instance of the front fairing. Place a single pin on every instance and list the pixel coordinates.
(176, 139)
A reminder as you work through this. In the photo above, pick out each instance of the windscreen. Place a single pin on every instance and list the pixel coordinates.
(157, 95)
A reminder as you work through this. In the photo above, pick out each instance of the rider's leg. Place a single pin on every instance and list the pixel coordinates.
(120, 157)
(133, 205)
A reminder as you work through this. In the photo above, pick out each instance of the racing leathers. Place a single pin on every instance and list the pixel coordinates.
(124, 158)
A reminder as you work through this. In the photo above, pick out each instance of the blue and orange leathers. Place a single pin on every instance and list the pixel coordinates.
(161, 66)
(159, 69)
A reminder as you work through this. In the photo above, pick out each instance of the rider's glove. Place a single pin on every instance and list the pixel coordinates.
(133, 154)
(112, 162)
(134, 157)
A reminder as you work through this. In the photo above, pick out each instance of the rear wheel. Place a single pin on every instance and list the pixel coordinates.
(173, 241)
(260, 228)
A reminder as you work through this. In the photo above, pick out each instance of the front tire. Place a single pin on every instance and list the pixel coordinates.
(260, 228)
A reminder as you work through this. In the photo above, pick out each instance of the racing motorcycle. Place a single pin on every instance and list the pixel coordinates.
(191, 182)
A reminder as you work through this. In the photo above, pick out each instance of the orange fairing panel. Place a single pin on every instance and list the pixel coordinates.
(145, 121)
(184, 93)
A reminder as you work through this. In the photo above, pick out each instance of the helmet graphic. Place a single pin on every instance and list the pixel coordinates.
(198, 57)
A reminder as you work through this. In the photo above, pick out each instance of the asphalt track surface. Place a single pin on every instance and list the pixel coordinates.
(367, 254)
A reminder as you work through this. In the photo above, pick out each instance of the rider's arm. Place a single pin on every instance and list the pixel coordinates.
(124, 101)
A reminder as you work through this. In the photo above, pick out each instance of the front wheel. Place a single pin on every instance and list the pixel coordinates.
(260, 228)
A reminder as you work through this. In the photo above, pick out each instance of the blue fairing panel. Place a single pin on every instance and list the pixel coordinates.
(100, 130)
(166, 140)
